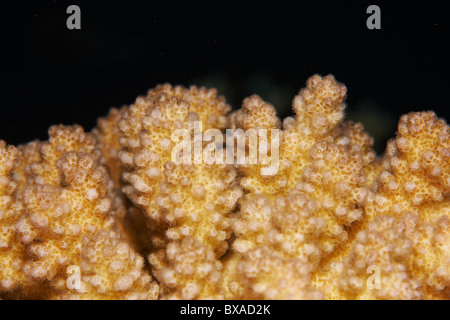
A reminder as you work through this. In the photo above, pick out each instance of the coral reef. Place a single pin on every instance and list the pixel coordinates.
(156, 203)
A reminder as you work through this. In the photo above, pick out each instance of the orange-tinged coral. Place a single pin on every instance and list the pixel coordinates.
(265, 275)
(211, 109)
(418, 175)
(63, 194)
(11, 250)
(67, 196)
(430, 257)
(315, 158)
(131, 219)
(179, 199)
(108, 134)
(361, 141)
(303, 210)
(111, 269)
(381, 250)
(146, 206)
(288, 226)
(416, 182)
(188, 269)
(55, 218)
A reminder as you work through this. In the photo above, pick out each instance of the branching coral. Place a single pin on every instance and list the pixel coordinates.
(63, 196)
(111, 269)
(157, 202)
(11, 249)
(179, 199)
(417, 182)
(188, 269)
(267, 276)
(68, 197)
(384, 248)
(418, 176)
(302, 211)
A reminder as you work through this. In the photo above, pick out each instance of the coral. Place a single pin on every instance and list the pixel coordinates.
(383, 247)
(179, 199)
(267, 276)
(418, 173)
(288, 226)
(176, 197)
(63, 195)
(416, 183)
(54, 219)
(108, 134)
(188, 269)
(211, 109)
(361, 141)
(302, 211)
(131, 219)
(12, 254)
(68, 196)
(111, 269)
(323, 166)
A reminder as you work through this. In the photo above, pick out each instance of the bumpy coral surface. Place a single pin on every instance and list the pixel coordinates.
(188, 269)
(186, 199)
(111, 269)
(177, 197)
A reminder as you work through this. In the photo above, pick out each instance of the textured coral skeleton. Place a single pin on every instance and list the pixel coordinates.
(140, 226)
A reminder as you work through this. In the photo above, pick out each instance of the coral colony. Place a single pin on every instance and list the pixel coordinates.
(177, 197)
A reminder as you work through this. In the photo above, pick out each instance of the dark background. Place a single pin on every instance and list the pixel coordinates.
(53, 75)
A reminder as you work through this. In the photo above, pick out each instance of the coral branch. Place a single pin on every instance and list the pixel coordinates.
(174, 197)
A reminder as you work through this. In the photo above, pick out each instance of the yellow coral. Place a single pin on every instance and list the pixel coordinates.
(131, 220)
(267, 276)
(430, 257)
(210, 108)
(111, 269)
(63, 195)
(288, 226)
(382, 250)
(418, 175)
(55, 219)
(317, 215)
(12, 254)
(303, 210)
(315, 158)
(188, 269)
(361, 141)
(179, 199)
(417, 182)
(108, 134)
